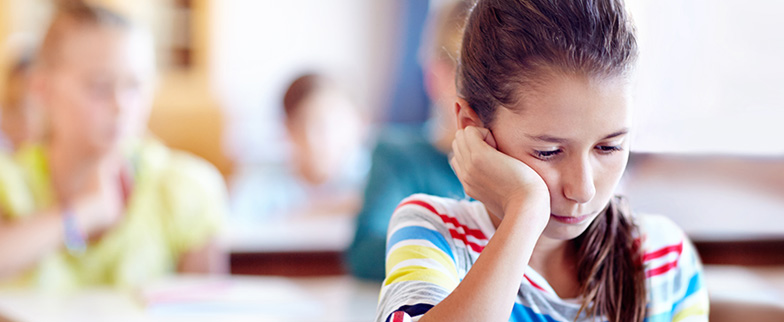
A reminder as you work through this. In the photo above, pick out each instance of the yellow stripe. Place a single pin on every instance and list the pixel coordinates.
(420, 252)
(696, 309)
(422, 274)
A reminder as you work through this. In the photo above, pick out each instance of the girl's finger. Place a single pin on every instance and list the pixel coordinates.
(488, 137)
(480, 137)
(460, 139)
(473, 138)
(462, 146)
(458, 171)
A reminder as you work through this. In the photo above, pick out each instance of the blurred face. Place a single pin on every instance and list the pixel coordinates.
(572, 131)
(98, 92)
(325, 131)
(20, 120)
(440, 85)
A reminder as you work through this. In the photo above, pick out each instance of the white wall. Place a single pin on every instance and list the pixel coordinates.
(260, 46)
(711, 76)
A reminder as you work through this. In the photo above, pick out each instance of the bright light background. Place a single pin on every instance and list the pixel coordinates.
(261, 46)
(710, 76)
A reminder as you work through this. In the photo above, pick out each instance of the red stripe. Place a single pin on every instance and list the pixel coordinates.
(471, 232)
(476, 233)
(534, 284)
(446, 219)
(398, 316)
(457, 235)
(662, 269)
(419, 203)
(663, 251)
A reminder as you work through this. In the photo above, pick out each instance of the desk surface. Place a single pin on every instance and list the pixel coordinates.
(193, 298)
(197, 299)
(331, 233)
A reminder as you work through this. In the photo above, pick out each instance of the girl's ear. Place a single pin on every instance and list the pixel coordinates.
(465, 115)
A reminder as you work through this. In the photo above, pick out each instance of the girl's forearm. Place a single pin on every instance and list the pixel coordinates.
(488, 291)
(24, 243)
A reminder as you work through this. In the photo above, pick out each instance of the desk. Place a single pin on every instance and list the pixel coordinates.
(296, 246)
(292, 299)
(304, 233)
(194, 298)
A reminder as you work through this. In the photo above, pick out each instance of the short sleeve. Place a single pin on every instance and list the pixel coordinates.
(420, 262)
(674, 271)
(691, 303)
(195, 195)
(15, 199)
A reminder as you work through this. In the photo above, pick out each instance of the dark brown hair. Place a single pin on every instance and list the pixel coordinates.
(510, 46)
(72, 14)
(299, 89)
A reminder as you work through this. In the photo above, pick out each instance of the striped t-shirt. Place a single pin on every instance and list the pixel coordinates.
(432, 243)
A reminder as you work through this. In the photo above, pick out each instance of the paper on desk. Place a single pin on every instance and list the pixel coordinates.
(263, 297)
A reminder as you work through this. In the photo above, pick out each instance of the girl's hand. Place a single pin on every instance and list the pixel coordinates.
(503, 184)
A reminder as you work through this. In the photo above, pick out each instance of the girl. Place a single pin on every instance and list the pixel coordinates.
(98, 204)
(543, 114)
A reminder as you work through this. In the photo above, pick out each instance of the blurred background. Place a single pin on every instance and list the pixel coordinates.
(708, 150)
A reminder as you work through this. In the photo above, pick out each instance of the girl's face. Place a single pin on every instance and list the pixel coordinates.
(573, 131)
(325, 132)
(98, 91)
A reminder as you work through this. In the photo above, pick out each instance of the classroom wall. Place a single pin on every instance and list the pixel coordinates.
(185, 113)
(261, 46)
(709, 77)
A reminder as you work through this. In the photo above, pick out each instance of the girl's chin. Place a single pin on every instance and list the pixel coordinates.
(559, 231)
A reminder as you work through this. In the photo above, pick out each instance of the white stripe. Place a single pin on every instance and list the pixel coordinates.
(424, 262)
(661, 261)
(411, 223)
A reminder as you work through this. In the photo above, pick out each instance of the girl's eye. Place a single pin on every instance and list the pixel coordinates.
(546, 155)
(609, 149)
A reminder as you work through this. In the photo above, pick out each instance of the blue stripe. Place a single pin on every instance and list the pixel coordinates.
(412, 310)
(661, 317)
(695, 284)
(522, 313)
(417, 232)
(416, 309)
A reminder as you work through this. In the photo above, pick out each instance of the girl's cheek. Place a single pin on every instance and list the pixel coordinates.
(549, 174)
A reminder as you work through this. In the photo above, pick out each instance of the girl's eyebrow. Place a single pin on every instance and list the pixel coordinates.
(553, 139)
(617, 133)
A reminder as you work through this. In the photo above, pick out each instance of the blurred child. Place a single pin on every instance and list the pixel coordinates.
(410, 160)
(99, 202)
(327, 162)
(324, 127)
(20, 120)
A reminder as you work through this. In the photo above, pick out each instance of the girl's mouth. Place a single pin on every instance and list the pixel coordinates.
(572, 220)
